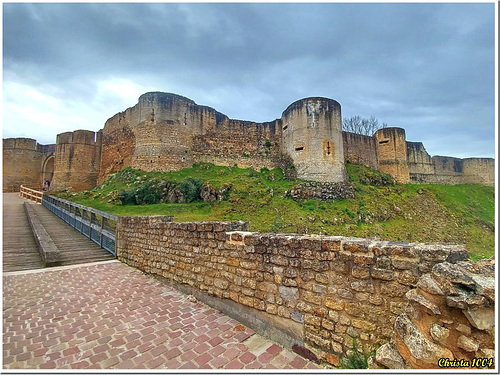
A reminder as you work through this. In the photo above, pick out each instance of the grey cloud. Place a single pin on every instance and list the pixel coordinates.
(395, 61)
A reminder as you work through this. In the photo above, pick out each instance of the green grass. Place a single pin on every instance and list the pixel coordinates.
(381, 208)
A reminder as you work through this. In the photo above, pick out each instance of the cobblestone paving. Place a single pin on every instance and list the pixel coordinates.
(111, 316)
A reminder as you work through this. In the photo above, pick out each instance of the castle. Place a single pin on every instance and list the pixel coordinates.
(165, 132)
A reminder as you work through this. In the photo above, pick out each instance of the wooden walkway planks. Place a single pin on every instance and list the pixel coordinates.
(20, 251)
(75, 248)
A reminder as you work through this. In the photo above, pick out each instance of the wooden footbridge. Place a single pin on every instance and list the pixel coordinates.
(34, 237)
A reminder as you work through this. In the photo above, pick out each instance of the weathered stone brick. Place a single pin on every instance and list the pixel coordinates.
(221, 284)
(284, 312)
(246, 300)
(319, 289)
(233, 262)
(382, 274)
(360, 272)
(249, 283)
(334, 303)
(363, 286)
(312, 319)
(353, 308)
(405, 263)
(248, 265)
(344, 293)
(272, 309)
(327, 324)
(317, 340)
(333, 244)
(365, 259)
(311, 298)
(279, 260)
(406, 278)
(393, 289)
(289, 282)
(363, 324)
(307, 275)
(322, 278)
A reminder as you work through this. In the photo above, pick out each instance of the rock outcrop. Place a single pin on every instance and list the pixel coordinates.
(450, 316)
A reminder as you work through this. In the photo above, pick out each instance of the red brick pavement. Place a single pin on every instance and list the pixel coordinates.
(111, 316)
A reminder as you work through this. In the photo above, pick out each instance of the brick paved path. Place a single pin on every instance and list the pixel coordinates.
(109, 315)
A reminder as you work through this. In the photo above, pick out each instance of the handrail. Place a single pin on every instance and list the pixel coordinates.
(84, 219)
(31, 194)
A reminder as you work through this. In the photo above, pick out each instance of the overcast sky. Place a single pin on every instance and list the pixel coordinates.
(429, 68)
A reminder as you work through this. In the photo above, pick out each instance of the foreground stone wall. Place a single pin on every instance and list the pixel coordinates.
(330, 289)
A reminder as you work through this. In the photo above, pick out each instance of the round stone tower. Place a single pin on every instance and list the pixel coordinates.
(77, 160)
(312, 137)
(163, 134)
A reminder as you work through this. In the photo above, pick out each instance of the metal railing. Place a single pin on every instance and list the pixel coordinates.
(99, 226)
(31, 194)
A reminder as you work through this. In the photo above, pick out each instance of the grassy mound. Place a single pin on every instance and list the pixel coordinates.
(381, 208)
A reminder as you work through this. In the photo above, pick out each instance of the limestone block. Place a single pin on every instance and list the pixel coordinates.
(418, 345)
(454, 273)
(334, 304)
(388, 356)
(428, 284)
(467, 344)
(289, 292)
(430, 307)
(485, 286)
(363, 286)
(382, 274)
(465, 329)
(438, 332)
(481, 318)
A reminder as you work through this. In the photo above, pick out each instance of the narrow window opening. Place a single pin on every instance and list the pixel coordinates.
(285, 127)
(328, 147)
(383, 142)
(299, 148)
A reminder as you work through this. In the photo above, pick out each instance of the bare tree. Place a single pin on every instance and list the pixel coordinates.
(356, 124)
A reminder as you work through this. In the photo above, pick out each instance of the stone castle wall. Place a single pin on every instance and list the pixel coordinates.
(165, 132)
(23, 160)
(325, 289)
(360, 149)
(424, 169)
(77, 160)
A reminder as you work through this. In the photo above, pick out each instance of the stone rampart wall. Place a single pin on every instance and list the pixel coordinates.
(446, 170)
(360, 149)
(331, 288)
(245, 143)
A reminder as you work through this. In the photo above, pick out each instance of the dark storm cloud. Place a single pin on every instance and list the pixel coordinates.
(426, 67)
